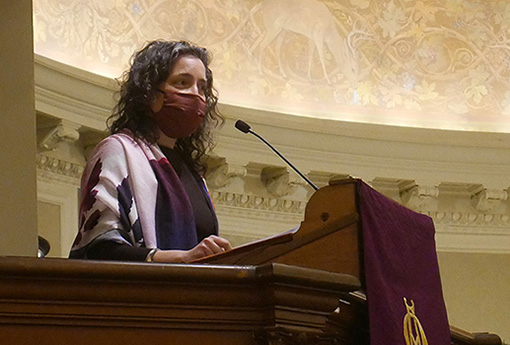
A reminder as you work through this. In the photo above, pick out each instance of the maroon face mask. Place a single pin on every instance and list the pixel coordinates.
(181, 114)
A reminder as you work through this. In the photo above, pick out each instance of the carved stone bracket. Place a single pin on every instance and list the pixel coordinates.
(391, 187)
(322, 179)
(420, 198)
(278, 181)
(63, 131)
(283, 336)
(220, 173)
(489, 199)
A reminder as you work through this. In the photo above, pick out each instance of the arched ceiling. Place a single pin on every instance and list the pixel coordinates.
(425, 64)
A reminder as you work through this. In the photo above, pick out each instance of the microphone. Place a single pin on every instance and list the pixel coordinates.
(245, 128)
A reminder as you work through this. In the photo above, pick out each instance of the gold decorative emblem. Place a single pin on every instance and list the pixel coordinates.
(413, 331)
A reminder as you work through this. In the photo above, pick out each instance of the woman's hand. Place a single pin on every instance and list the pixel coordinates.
(208, 246)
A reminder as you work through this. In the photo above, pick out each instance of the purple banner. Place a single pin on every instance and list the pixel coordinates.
(405, 298)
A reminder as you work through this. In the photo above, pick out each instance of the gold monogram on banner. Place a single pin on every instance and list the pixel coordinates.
(413, 331)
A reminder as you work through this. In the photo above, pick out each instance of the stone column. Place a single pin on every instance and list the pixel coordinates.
(18, 193)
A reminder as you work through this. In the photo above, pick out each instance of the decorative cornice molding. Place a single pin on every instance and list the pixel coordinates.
(69, 93)
(57, 169)
(452, 207)
(470, 209)
(257, 202)
(71, 109)
(471, 223)
(449, 221)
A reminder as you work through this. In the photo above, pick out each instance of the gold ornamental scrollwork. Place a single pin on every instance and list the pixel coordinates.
(413, 330)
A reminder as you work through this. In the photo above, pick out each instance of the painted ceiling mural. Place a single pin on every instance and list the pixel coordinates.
(437, 64)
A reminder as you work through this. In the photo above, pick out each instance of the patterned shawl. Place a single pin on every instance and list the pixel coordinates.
(131, 194)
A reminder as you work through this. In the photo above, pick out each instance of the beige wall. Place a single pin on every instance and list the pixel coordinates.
(18, 229)
(477, 291)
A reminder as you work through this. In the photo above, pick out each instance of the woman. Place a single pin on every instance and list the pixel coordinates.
(143, 198)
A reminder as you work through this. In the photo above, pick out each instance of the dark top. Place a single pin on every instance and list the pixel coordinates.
(205, 217)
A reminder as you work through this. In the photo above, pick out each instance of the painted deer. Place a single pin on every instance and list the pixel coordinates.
(312, 19)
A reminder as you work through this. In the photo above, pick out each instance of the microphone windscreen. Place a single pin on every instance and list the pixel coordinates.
(242, 126)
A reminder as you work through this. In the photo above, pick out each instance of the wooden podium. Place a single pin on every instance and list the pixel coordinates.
(330, 239)
(302, 287)
(59, 301)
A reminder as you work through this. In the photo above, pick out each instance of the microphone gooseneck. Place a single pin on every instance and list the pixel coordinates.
(245, 128)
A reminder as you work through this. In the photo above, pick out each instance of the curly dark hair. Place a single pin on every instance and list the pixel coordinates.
(150, 67)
